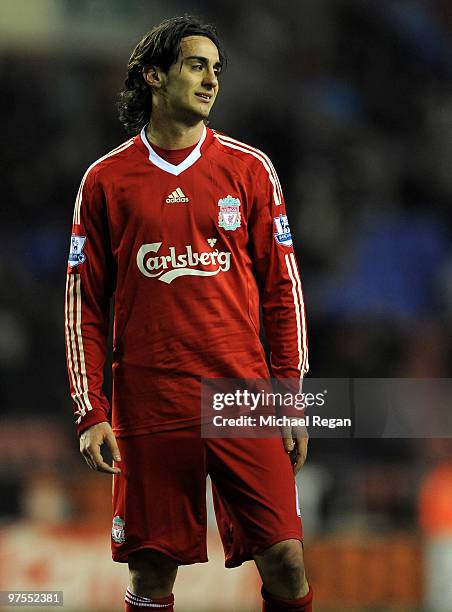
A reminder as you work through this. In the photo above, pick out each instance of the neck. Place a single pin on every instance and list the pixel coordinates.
(173, 135)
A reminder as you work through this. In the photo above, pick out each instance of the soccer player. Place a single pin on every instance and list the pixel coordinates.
(187, 228)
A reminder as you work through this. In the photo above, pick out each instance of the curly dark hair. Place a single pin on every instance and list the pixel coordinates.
(159, 47)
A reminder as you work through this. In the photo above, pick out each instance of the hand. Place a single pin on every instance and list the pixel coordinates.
(295, 441)
(90, 442)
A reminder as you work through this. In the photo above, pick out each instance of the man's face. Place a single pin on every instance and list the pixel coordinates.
(189, 88)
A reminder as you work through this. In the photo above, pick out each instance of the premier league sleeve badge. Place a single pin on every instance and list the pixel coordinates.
(76, 254)
(283, 235)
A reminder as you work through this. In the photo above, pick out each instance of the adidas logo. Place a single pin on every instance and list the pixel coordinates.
(176, 196)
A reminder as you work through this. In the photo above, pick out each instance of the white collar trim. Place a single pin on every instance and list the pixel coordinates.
(171, 168)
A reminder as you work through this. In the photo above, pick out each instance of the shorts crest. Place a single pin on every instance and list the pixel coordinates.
(117, 530)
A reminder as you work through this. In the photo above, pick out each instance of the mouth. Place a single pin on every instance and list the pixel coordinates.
(204, 96)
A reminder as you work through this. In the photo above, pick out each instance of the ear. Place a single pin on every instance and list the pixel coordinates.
(153, 76)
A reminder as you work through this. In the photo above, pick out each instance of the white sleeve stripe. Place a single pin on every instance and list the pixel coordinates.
(78, 387)
(69, 344)
(276, 177)
(78, 201)
(305, 364)
(77, 369)
(234, 144)
(297, 310)
(72, 350)
(258, 152)
(80, 341)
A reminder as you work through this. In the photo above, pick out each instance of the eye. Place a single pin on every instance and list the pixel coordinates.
(197, 66)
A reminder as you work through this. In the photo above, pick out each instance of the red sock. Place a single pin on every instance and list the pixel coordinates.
(136, 603)
(278, 604)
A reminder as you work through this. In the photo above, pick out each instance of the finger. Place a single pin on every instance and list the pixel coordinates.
(88, 459)
(298, 464)
(100, 464)
(302, 451)
(288, 440)
(113, 446)
(302, 443)
(300, 461)
(84, 451)
(289, 445)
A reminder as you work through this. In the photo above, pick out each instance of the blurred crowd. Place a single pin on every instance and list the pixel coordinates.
(353, 102)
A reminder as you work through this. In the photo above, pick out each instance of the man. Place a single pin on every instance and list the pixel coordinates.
(187, 228)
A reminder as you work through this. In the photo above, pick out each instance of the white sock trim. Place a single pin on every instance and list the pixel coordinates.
(145, 602)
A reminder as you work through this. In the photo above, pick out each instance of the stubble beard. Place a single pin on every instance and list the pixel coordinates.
(192, 116)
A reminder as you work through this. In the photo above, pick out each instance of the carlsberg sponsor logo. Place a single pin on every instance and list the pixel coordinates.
(188, 263)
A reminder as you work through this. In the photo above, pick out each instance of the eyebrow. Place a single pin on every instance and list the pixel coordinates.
(204, 60)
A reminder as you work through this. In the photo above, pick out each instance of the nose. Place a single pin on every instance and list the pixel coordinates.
(210, 78)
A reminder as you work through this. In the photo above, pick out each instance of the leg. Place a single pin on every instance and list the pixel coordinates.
(282, 570)
(173, 520)
(256, 505)
(151, 574)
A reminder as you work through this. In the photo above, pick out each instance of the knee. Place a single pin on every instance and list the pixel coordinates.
(282, 569)
(150, 571)
(289, 558)
(283, 562)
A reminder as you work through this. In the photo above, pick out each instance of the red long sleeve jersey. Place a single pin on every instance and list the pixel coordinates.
(190, 251)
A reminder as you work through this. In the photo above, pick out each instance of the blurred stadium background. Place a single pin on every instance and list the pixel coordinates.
(353, 102)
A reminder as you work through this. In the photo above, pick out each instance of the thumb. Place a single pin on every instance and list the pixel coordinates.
(113, 446)
(288, 444)
(287, 440)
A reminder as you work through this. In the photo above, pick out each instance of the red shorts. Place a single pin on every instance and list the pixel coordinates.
(159, 499)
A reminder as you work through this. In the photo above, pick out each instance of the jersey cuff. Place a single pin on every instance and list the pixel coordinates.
(92, 418)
